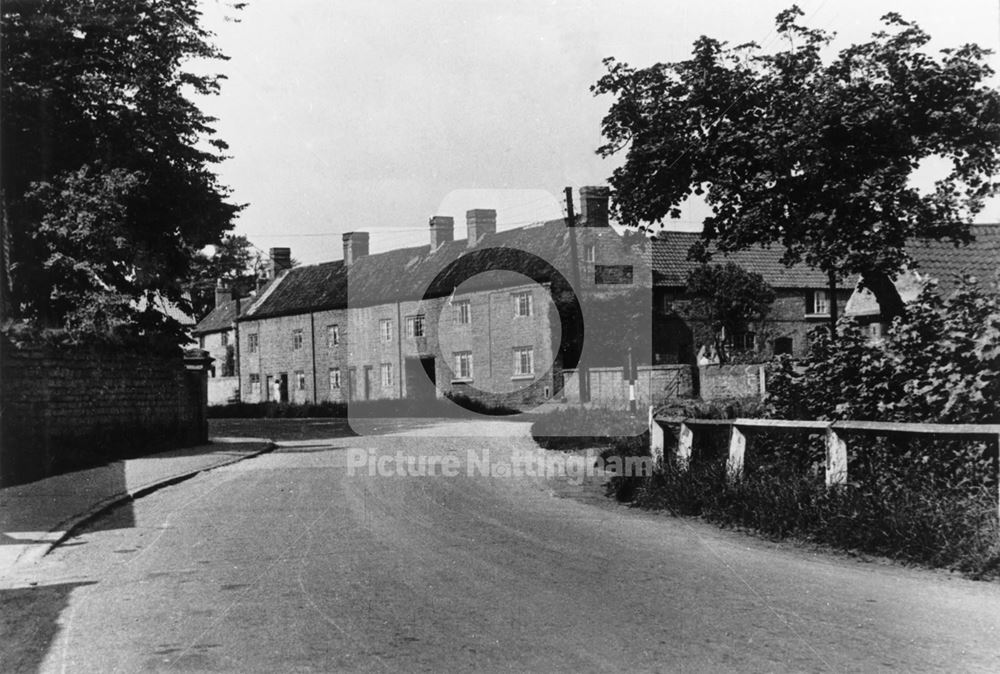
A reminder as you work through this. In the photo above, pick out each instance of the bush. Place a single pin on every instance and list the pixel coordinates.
(922, 521)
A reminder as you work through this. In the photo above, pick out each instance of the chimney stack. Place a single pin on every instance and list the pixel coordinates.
(442, 230)
(480, 222)
(222, 293)
(355, 247)
(281, 260)
(594, 206)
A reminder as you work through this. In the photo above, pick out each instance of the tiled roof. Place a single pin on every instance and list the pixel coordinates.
(945, 261)
(671, 266)
(220, 318)
(409, 273)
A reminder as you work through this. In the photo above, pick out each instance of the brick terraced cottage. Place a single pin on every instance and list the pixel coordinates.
(481, 316)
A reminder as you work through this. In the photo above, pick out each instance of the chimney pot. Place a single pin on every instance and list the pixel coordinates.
(442, 230)
(480, 222)
(355, 247)
(222, 293)
(594, 206)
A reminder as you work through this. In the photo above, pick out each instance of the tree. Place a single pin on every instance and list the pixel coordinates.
(729, 298)
(814, 156)
(106, 160)
(234, 261)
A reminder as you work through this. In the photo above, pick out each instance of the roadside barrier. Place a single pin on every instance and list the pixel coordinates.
(837, 433)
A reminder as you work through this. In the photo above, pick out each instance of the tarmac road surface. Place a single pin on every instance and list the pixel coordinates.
(287, 562)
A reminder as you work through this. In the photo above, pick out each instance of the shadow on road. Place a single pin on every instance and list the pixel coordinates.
(29, 623)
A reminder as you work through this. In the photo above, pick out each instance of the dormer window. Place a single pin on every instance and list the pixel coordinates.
(817, 303)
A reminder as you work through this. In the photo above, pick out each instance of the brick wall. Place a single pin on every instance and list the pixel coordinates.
(679, 336)
(730, 381)
(654, 384)
(63, 410)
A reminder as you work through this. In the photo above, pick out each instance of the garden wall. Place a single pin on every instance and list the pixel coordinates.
(65, 409)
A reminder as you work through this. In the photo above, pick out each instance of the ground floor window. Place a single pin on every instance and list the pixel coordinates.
(300, 380)
(463, 364)
(386, 374)
(334, 379)
(255, 383)
(524, 361)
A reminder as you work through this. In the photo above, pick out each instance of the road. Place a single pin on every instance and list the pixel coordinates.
(287, 562)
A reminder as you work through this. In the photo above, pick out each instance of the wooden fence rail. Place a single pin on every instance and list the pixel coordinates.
(836, 434)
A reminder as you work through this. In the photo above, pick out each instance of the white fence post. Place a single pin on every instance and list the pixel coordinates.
(737, 450)
(685, 442)
(836, 458)
(657, 439)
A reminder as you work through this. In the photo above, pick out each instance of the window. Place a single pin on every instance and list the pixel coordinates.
(225, 338)
(201, 341)
(415, 326)
(589, 253)
(875, 331)
(524, 361)
(463, 365)
(334, 379)
(522, 304)
(463, 312)
(253, 342)
(742, 341)
(783, 345)
(386, 374)
(255, 383)
(296, 339)
(300, 380)
(385, 329)
(818, 303)
(332, 335)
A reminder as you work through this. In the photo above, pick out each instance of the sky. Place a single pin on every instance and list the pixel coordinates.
(376, 115)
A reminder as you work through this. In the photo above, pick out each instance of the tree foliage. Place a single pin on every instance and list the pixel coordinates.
(938, 363)
(234, 262)
(106, 161)
(728, 297)
(812, 154)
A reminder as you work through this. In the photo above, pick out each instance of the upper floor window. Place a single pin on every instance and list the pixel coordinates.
(524, 361)
(522, 303)
(225, 338)
(463, 312)
(296, 339)
(201, 341)
(818, 303)
(253, 342)
(415, 326)
(385, 329)
(332, 335)
(589, 253)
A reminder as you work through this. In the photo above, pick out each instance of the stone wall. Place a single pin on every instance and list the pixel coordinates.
(654, 384)
(731, 381)
(63, 410)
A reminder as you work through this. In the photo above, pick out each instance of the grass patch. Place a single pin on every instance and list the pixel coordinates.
(930, 503)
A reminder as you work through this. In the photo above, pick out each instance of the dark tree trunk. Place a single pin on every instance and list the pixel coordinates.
(889, 302)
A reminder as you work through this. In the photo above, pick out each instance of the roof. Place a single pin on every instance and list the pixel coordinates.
(419, 272)
(946, 261)
(219, 318)
(671, 265)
